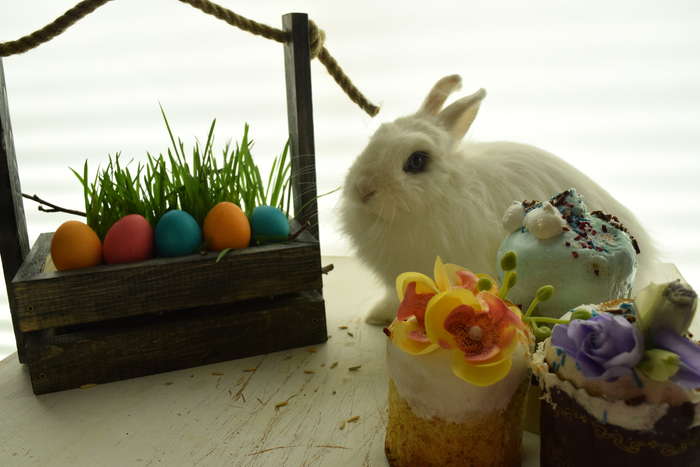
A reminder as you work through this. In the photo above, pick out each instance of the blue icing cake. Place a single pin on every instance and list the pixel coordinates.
(587, 256)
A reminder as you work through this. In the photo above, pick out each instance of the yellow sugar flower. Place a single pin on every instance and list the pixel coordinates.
(479, 330)
(415, 290)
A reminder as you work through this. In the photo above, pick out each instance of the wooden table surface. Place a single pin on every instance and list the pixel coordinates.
(294, 409)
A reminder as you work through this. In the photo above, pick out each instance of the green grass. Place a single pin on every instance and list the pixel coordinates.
(193, 182)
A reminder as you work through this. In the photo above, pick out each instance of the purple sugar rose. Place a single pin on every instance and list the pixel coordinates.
(688, 374)
(606, 346)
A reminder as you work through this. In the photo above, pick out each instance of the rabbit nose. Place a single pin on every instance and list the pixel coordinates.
(365, 192)
(366, 196)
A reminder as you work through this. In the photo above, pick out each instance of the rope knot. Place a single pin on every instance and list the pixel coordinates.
(317, 39)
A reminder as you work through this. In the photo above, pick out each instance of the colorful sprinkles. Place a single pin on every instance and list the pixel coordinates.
(621, 308)
(615, 222)
(586, 236)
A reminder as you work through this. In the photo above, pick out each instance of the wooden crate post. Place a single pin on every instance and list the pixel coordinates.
(301, 121)
(67, 343)
(14, 244)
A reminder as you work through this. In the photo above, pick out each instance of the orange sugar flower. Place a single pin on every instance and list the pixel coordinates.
(415, 291)
(480, 335)
(414, 303)
(479, 330)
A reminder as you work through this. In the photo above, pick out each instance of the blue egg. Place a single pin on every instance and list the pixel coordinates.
(269, 224)
(177, 234)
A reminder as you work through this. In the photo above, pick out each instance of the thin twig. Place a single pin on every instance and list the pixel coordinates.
(245, 384)
(52, 207)
(270, 449)
(299, 232)
(327, 446)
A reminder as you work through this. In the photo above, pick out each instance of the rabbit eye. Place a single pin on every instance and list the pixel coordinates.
(416, 162)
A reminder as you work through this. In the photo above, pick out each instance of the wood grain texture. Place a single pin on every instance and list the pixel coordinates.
(35, 260)
(54, 299)
(304, 235)
(14, 244)
(224, 414)
(139, 346)
(300, 119)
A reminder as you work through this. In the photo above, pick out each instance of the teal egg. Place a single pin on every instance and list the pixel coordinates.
(269, 225)
(177, 234)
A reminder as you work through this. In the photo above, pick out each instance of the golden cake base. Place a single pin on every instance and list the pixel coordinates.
(491, 440)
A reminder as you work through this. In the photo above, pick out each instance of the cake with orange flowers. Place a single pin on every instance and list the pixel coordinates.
(457, 359)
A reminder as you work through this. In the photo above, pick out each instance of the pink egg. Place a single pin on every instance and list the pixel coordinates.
(130, 239)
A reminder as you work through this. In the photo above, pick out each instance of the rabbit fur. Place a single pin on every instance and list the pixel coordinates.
(400, 221)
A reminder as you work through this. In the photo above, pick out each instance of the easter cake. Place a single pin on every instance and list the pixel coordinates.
(623, 386)
(457, 359)
(587, 256)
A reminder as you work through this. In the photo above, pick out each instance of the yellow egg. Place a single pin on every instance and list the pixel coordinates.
(75, 245)
(226, 226)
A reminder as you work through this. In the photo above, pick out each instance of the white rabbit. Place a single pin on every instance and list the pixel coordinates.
(415, 193)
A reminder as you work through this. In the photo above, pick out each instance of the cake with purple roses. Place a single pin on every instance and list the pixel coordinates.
(621, 383)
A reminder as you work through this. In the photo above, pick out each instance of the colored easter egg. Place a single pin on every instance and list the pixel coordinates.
(177, 234)
(130, 239)
(226, 226)
(75, 245)
(269, 225)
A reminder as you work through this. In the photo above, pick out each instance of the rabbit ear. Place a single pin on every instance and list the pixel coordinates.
(437, 96)
(459, 115)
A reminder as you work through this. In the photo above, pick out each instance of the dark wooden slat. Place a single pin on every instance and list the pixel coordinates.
(174, 341)
(56, 299)
(300, 119)
(14, 244)
(305, 235)
(35, 260)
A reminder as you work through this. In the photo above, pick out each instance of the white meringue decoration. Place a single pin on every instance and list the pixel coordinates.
(545, 222)
(513, 218)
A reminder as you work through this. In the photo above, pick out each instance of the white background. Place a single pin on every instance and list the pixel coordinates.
(612, 87)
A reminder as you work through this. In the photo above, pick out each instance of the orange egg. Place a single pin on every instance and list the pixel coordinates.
(226, 226)
(75, 245)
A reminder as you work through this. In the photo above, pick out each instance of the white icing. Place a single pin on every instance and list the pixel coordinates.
(545, 222)
(603, 409)
(431, 389)
(513, 217)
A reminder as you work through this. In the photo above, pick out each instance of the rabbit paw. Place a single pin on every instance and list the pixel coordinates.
(383, 312)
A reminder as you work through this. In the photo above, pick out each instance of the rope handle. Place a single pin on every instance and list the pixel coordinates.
(317, 37)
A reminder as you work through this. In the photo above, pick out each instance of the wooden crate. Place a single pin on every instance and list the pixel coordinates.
(108, 323)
